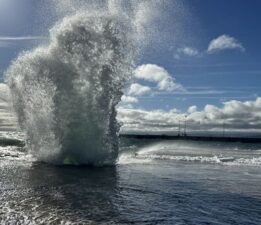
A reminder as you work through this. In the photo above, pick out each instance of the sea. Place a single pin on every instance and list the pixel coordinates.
(153, 182)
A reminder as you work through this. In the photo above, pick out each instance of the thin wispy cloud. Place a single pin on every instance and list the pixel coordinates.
(7, 41)
(193, 92)
(186, 51)
(222, 65)
(22, 38)
(241, 72)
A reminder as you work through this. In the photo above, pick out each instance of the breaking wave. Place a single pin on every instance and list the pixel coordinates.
(191, 152)
(150, 158)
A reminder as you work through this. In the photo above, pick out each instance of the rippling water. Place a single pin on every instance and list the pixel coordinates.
(168, 182)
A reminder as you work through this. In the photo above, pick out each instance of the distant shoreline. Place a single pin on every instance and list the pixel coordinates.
(20, 143)
(193, 138)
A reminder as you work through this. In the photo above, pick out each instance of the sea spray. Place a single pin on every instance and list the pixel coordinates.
(65, 93)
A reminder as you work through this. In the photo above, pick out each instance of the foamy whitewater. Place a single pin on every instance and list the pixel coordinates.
(225, 154)
(65, 93)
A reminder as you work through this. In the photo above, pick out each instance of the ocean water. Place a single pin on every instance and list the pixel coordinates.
(153, 182)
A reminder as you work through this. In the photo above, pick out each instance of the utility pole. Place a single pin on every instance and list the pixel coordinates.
(185, 126)
(223, 126)
(179, 129)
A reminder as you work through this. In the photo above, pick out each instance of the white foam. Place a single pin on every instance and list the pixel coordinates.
(255, 161)
(65, 93)
(127, 158)
(213, 159)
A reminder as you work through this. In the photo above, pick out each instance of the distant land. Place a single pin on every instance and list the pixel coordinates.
(242, 139)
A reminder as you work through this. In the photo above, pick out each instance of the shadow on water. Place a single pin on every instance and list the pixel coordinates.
(74, 193)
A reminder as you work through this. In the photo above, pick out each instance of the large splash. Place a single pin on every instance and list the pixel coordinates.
(65, 93)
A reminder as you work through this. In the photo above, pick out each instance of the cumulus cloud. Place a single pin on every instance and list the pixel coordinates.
(224, 42)
(192, 109)
(128, 99)
(158, 75)
(138, 89)
(145, 121)
(236, 115)
(188, 51)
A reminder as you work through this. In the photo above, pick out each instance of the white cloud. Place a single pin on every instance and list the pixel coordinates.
(9, 41)
(158, 75)
(224, 42)
(236, 115)
(192, 109)
(142, 120)
(169, 84)
(188, 51)
(25, 38)
(138, 89)
(128, 99)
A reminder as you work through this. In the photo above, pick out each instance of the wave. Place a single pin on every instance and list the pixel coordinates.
(191, 152)
(136, 159)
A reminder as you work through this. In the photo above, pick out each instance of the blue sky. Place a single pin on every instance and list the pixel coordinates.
(229, 74)
(209, 49)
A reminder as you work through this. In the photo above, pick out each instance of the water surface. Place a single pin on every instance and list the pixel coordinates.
(165, 182)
